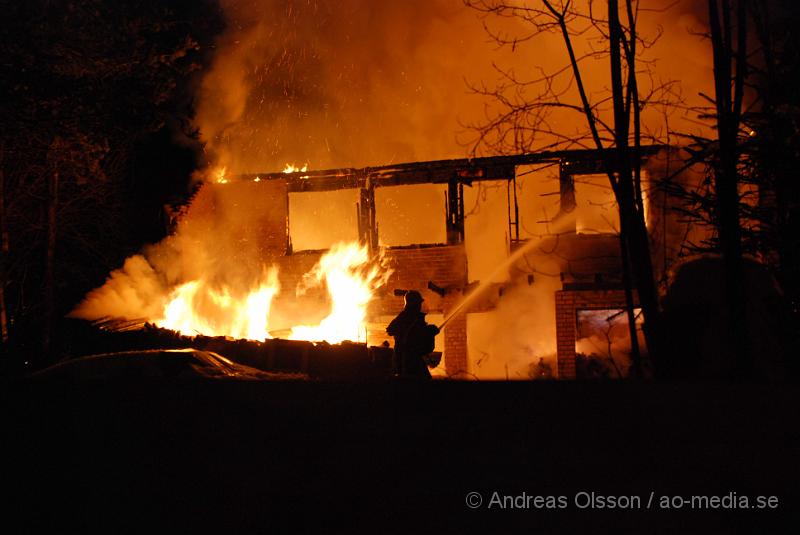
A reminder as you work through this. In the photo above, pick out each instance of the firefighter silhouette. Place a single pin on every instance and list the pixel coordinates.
(413, 338)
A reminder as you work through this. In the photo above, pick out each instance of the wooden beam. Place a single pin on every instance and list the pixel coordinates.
(465, 170)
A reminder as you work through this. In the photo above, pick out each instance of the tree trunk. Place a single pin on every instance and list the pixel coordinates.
(49, 267)
(634, 240)
(4, 249)
(726, 179)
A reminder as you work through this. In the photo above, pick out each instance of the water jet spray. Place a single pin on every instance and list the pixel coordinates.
(508, 262)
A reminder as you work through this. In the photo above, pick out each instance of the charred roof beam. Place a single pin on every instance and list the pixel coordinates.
(442, 171)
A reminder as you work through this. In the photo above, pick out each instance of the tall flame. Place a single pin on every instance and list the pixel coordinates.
(351, 280)
(197, 308)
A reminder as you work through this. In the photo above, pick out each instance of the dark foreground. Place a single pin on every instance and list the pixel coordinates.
(398, 457)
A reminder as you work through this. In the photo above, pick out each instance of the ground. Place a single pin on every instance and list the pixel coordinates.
(395, 456)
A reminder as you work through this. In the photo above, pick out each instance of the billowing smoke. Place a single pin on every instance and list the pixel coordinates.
(604, 337)
(226, 238)
(134, 291)
(360, 82)
(348, 83)
(517, 339)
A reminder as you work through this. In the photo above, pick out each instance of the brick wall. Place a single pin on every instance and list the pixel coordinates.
(293, 267)
(568, 302)
(412, 269)
(455, 339)
(257, 211)
(445, 265)
(253, 216)
(291, 308)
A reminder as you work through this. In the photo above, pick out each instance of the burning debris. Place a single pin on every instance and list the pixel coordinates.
(195, 307)
(301, 359)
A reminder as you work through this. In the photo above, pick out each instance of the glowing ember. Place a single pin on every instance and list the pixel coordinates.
(220, 175)
(291, 168)
(351, 280)
(197, 308)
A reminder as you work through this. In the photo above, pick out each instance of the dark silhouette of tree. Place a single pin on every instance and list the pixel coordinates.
(84, 82)
(749, 198)
(772, 146)
(728, 30)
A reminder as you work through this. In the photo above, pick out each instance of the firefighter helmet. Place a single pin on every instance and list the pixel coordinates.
(413, 297)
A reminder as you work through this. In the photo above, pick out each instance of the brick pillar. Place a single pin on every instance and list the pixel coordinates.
(565, 333)
(455, 345)
(455, 337)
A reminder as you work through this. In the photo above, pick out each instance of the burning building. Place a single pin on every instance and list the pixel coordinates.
(519, 258)
(318, 254)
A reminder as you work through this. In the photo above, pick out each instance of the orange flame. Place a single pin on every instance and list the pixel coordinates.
(197, 307)
(291, 168)
(219, 174)
(351, 280)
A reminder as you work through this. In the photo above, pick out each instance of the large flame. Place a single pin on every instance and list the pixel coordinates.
(197, 307)
(351, 280)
